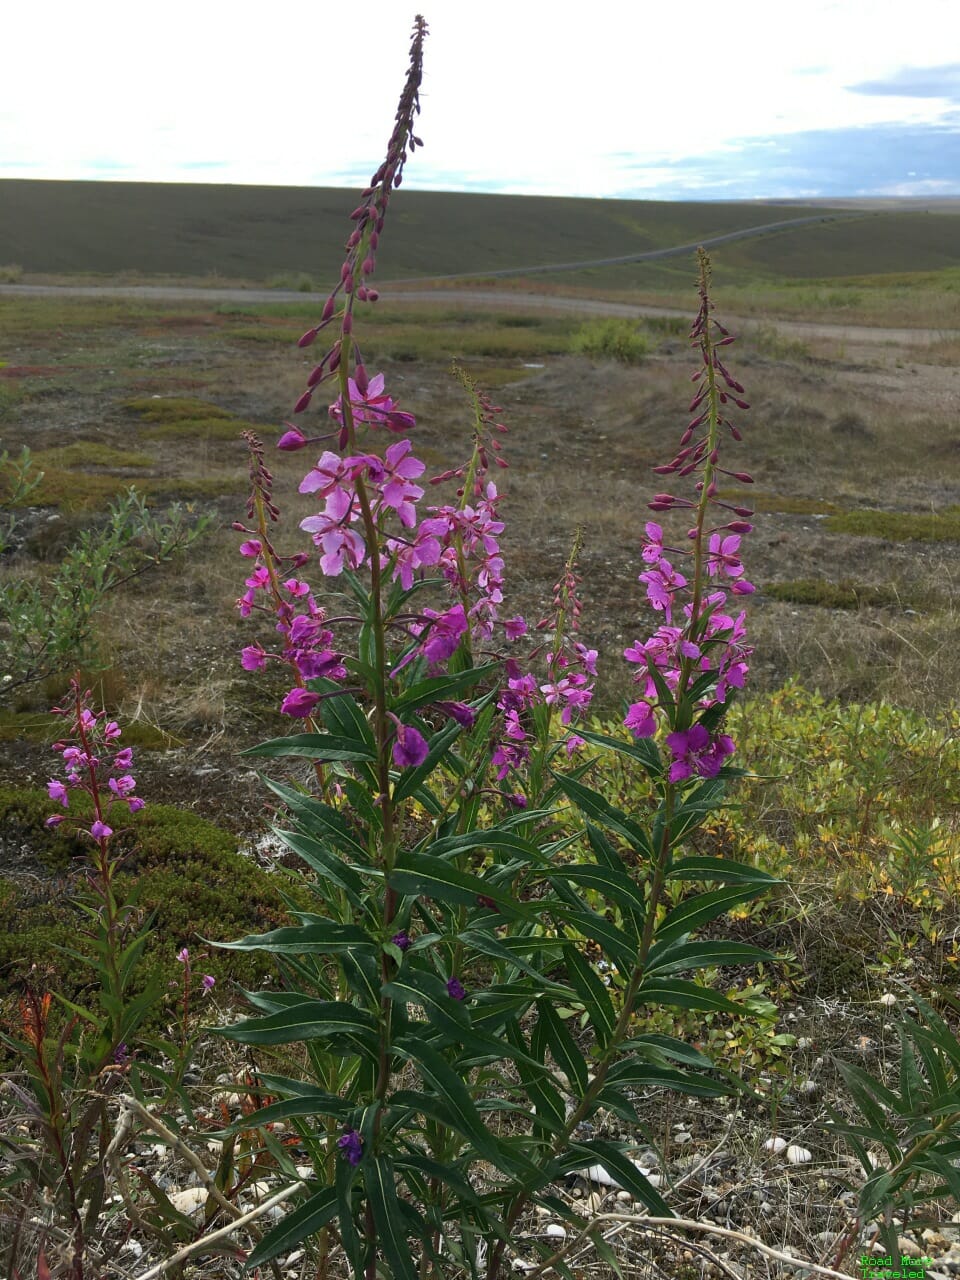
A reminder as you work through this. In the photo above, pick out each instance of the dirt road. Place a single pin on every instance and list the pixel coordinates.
(501, 299)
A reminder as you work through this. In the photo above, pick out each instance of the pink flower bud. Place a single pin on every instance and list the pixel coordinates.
(303, 402)
(315, 376)
(329, 307)
(373, 295)
(291, 440)
(306, 339)
(367, 266)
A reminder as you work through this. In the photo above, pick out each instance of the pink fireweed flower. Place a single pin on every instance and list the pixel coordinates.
(299, 703)
(253, 658)
(251, 548)
(58, 792)
(515, 627)
(100, 831)
(340, 545)
(696, 751)
(641, 720)
(208, 982)
(410, 747)
(724, 557)
(396, 491)
(183, 955)
(292, 440)
(371, 405)
(443, 633)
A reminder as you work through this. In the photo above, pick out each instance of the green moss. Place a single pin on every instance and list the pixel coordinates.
(899, 526)
(619, 340)
(175, 408)
(181, 870)
(73, 491)
(836, 595)
(39, 726)
(199, 430)
(780, 503)
(88, 453)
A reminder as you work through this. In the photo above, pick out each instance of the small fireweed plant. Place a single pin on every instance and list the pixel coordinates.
(71, 1064)
(442, 1093)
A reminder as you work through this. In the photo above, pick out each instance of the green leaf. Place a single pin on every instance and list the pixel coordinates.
(417, 875)
(314, 1103)
(703, 868)
(583, 1154)
(317, 816)
(329, 1020)
(660, 1048)
(695, 806)
(698, 910)
(380, 1183)
(342, 714)
(563, 1046)
(648, 1075)
(452, 1092)
(305, 1221)
(328, 864)
(411, 986)
(686, 995)
(613, 884)
(314, 935)
(643, 750)
(315, 746)
(597, 807)
(592, 993)
(681, 956)
(620, 948)
(445, 688)
(509, 951)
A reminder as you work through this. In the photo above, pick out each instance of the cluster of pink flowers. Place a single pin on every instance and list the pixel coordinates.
(91, 757)
(699, 645)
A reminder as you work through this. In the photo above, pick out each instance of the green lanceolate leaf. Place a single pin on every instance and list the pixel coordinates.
(411, 986)
(583, 1154)
(682, 956)
(563, 1046)
(695, 806)
(329, 1020)
(417, 875)
(620, 948)
(701, 909)
(643, 750)
(679, 994)
(593, 994)
(720, 869)
(314, 934)
(305, 1221)
(380, 1183)
(315, 746)
(647, 1075)
(451, 1092)
(342, 714)
(441, 688)
(326, 862)
(318, 818)
(600, 809)
(612, 883)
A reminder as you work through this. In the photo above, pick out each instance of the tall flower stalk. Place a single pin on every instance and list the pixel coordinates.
(448, 926)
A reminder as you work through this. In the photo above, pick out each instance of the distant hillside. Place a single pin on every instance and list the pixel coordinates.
(261, 233)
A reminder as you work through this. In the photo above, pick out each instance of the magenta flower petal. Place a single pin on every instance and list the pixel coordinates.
(299, 702)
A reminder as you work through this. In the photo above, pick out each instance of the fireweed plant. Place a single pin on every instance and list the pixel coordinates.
(468, 995)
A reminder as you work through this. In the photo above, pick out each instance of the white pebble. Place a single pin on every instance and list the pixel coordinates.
(555, 1231)
(775, 1145)
(625, 1197)
(133, 1247)
(189, 1201)
(799, 1155)
(888, 999)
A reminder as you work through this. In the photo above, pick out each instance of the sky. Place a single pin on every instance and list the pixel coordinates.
(704, 99)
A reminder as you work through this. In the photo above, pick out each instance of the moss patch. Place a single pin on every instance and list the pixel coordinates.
(182, 871)
(89, 453)
(899, 526)
(175, 408)
(837, 595)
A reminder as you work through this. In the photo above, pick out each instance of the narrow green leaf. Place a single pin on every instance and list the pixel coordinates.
(686, 995)
(305, 1221)
(380, 1183)
(647, 1075)
(613, 884)
(314, 935)
(315, 746)
(680, 956)
(327, 863)
(621, 949)
(583, 1154)
(592, 993)
(594, 804)
(660, 1048)
(330, 1020)
(452, 1092)
(702, 908)
(703, 868)
(643, 750)
(445, 688)
(563, 1046)
(323, 817)
(417, 875)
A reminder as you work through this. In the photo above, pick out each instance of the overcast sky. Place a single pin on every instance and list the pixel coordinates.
(701, 99)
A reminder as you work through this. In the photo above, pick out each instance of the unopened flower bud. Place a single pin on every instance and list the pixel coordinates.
(368, 265)
(307, 338)
(291, 440)
(303, 402)
(329, 307)
(361, 379)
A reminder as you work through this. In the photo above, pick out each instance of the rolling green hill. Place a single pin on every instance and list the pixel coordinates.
(260, 233)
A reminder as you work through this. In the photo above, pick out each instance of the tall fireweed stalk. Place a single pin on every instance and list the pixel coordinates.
(489, 932)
